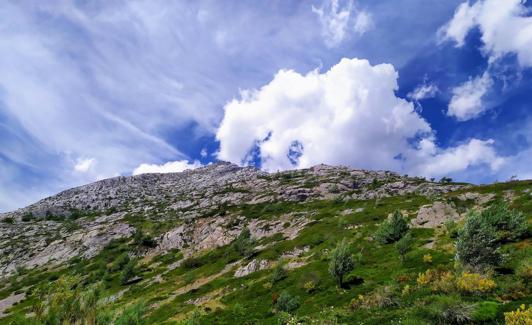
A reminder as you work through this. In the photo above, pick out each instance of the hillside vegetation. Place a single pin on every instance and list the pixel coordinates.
(365, 248)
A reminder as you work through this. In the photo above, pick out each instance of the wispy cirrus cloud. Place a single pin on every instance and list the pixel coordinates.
(340, 20)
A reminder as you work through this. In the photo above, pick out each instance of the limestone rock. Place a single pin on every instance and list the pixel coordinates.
(253, 266)
(435, 215)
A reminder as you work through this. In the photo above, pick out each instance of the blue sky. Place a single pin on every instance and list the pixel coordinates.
(95, 89)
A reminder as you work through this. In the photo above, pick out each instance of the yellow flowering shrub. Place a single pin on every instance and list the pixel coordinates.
(522, 316)
(427, 258)
(406, 290)
(382, 297)
(425, 278)
(444, 283)
(309, 286)
(358, 302)
(474, 283)
(524, 270)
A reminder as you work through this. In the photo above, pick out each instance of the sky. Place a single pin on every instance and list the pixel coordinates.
(97, 89)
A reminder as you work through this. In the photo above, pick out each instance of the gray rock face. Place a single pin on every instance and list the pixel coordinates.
(253, 266)
(82, 220)
(435, 215)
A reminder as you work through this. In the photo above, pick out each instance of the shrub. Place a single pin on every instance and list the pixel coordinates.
(341, 262)
(477, 246)
(393, 229)
(485, 311)
(446, 180)
(121, 261)
(427, 258)
(287, 302)
(522, 316)
(508, 224)
(382, 297)
(192, 263)
(448, 310)
(279, 273)
(452, 229)
(406, 290)
(475, 283)
(28, 217)
(244, 244)
(425, 278)
(444, 283)
(404, 245)
(309, 286)
(128, 272)
(524, 270)
(8, 220)
(143, 240)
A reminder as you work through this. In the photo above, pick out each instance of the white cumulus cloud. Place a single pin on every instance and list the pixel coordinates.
(442, 162)
(169, 167)
(348, 115)
(83, 165)
(506, 27)
(467, 101)
(338, 20)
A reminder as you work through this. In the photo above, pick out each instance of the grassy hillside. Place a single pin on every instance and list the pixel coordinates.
(122, 285)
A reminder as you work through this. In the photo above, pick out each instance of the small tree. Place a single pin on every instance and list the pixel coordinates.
(128, 272)
(279, 273)
(244, 244)
(341, 262)
(477, 245)
(404, 245)
(507, 223)
(287, 302)
(393, 229)
(143, 240)
(446, 180)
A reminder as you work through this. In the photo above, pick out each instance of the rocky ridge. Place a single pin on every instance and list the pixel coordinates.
(197, 204)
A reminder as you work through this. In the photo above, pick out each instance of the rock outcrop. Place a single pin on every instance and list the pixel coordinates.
(435, 215)
(200, 204)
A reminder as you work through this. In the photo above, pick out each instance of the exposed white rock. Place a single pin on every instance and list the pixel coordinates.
(435, 215)
(253, 266)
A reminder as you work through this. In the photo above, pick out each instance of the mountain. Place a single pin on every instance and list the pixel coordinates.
(224, 244)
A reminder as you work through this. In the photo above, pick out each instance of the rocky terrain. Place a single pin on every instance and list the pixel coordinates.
(185, 198)
(198, 244)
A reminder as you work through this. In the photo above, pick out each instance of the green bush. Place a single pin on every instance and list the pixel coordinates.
(128, 272)
(121, 261)
(287, 302)
(477, 246)
(279, 273)
(393, 229)
(448, 310)
(244, 244)
(485, 311)
(140, 239)
(341, 262)
(404, 245)
(452, 229)
(508, 224)
(8, 220)
(28, 217)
